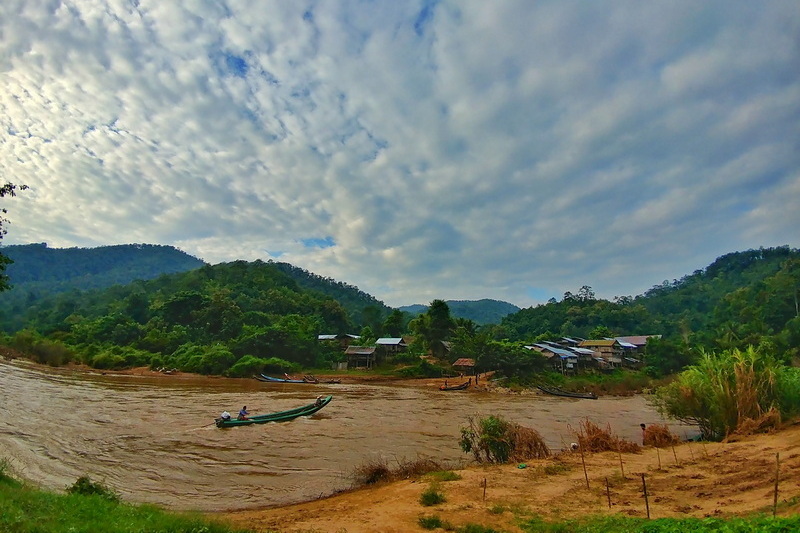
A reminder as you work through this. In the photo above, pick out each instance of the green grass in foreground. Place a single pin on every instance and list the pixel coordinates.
(24, 509)
(621, 524)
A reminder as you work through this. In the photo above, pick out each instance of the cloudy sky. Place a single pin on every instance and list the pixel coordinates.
(417, 149)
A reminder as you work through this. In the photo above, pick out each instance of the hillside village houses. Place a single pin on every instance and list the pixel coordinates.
(567, 355)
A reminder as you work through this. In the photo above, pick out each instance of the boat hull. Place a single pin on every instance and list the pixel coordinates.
(280, 416)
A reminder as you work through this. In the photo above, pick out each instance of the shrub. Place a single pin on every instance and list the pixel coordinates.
(659, 435)
(495, 440)
(433, 522)
(445, 475)
(431, 496)
(593, 438)
(87, 487)
(378, 470)
(245, 367)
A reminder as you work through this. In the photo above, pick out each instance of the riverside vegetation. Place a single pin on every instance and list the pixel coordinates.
(730, 333)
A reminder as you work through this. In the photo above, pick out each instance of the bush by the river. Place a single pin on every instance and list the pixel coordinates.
(494, 439)
(735, 390)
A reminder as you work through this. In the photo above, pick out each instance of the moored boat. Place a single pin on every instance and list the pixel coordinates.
(280, 416)
(555, 391)
(270, 379)
(462, 386)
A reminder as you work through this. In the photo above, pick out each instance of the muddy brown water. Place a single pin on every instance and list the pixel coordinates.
(153, 441)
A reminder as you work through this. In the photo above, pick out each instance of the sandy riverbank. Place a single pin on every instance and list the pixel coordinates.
(700, 480)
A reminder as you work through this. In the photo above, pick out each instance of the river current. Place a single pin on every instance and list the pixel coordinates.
(152, 439)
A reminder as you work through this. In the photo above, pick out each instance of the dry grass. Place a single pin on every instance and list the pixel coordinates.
(378, 470)
(660, 436)
(593, 438)
(527, 443)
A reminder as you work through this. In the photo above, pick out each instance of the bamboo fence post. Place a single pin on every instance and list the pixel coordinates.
(658, 453)
(621, 467)
(675, 454)
(583, 461)
(777, 477)
(484, 489)
(608, 493)
(646, 500)
(689, 444)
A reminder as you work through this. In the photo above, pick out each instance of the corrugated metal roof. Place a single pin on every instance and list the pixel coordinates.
(464, 361)
(389, 341)
(599, 342)
(326, 337)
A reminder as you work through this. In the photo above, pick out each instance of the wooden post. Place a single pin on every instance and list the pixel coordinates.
(646, 501)
(621, 468)
(658, 453)
(484, 489)
(777, 477)
(583, 460)
(675, 455)
(608, 493)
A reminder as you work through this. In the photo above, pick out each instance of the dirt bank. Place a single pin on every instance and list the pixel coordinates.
(712, 479)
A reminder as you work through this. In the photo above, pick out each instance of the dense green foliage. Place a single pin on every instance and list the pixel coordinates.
(39, 272)
(24, 509)
(362, 308)
(721, 392)
(229, 318)
(232, 318)
(741, 299)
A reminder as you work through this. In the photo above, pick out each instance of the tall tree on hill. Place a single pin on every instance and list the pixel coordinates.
(435, 326)
(9, 189)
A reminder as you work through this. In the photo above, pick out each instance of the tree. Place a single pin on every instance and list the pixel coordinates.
(9, 189)
(393, 325)
(434, 326)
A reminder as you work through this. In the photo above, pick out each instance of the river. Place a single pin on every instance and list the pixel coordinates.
(152, 440)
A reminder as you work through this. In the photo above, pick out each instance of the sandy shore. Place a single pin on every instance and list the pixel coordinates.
(694, 479)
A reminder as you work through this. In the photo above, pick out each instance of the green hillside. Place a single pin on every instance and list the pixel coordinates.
(742, 298)
(482, 312)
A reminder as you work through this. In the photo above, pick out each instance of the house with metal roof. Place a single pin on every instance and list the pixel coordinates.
(360, 356)
(392, 344)
(609, 350)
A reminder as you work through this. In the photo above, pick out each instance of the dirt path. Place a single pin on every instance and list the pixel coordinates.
(714, 479)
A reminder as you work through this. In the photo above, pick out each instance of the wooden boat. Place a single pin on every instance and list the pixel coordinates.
(280, 416)
(270, 379)
(555, 391)
(457, 387)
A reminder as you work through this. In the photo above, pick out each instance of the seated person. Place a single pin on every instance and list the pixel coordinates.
(243, 414)
(225, 415)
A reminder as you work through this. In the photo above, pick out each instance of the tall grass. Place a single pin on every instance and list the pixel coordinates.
(731, 390)
(24, 509)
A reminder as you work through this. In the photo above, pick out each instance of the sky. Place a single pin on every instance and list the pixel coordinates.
(454, 149)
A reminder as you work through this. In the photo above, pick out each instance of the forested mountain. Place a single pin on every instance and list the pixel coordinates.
(57, 269)
(361, 307)
(202, 320)
(39, 271)
(481, 312)
(742, 298)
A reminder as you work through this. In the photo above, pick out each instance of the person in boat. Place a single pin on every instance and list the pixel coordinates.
(319, 400)
(225, 415)
(242, 413)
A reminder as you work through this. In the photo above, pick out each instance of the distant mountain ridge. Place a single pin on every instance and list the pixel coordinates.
(482, 312)
(93, 268)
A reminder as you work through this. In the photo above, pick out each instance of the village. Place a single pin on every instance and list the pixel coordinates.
(568, 355)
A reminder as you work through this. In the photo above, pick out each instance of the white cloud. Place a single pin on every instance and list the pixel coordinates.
(449, 150)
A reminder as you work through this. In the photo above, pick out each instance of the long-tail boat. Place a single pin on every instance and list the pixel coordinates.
(558, 392)
(462, 386)
(270, 379)
(280, 416)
